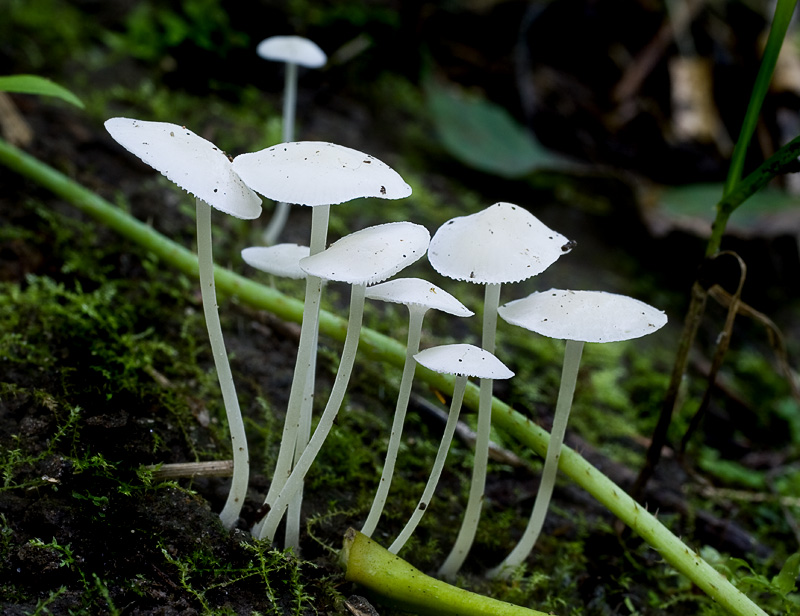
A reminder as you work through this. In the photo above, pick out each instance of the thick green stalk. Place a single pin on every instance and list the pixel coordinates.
(378, 347)
(408, 589)
(780, 24)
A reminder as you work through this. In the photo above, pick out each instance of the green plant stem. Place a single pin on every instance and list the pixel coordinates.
(777, 33)
(378, 347)
(409, 590)
(566, 393)
(241, 461)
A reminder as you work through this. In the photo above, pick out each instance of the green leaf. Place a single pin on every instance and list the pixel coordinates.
(697, 202)
(485, 136)
(33, 84)
(786, 580)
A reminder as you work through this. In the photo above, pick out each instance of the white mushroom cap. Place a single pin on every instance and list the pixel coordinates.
(588, 316)
(318, 173)
(193, 163)
(503, 243)
(279, 260)
(292, 49)
(463, 360)
(418, 292)
(370, 255)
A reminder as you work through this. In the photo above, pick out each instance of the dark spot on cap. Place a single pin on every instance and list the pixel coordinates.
(383, 190)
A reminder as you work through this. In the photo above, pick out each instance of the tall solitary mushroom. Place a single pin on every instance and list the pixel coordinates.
(316, 174)
(462, 360)
(576, 317)
(365, 257)
(199, 167)
(503, 243)
(293, 51)
(419, 296)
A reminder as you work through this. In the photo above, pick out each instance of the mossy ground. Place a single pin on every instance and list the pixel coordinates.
(106, 370)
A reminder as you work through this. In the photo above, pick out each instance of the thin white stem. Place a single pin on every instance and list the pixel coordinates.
(438, 465)
(289, 101)
(416, 313)
(241, 461)
(472, 513)
(569, 377)
(281, 213)
(295, 480)
(298, 410)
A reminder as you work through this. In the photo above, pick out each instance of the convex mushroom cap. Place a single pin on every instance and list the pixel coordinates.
(370, 255)
(587, 316)
(418, 292)
(292, 49)
(278, 260)
(503, 243)
(193, 163)
(318, 173)
(463, 360)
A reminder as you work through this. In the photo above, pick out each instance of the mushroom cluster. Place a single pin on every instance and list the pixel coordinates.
(499, 245)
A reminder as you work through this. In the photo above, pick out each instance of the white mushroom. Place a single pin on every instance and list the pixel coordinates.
(501, 244)
(419, 296)
(361, 258)
(293, 51)
(577, 317)
(199, 167)
(462, 360)
(279, 260)
(315, 174)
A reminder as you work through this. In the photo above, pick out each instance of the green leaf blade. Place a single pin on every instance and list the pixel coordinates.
(33, 84)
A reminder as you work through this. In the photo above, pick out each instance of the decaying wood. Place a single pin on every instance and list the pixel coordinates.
(214, 468)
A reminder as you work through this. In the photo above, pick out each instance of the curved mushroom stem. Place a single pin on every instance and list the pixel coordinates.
(438, 465)
(569, 376)
(295, 480)
(416, 314)
(298, 410)
(281, 213)
(241, 462)
(469, 526)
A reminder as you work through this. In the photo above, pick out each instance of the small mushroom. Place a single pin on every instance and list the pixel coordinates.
(293, 51)
(365, 257)
(577, 317)
(279, 260)
(202, 169)
(503, 243)
(315, 174)
(419, 296)
(461, 360)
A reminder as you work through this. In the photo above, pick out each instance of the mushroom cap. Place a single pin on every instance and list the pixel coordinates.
(292, 49)
(318, 173)
(370, 255)
(463, 360)
(418, 292)
(279, 260)
(503, 243)
(588, 316)
(193, 163)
